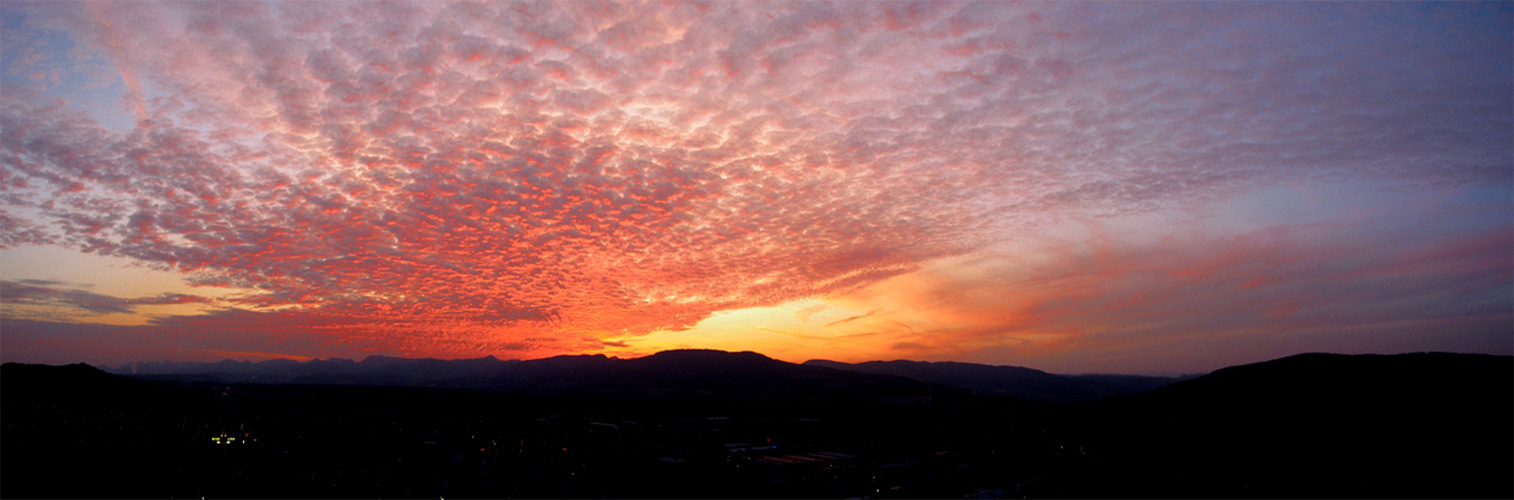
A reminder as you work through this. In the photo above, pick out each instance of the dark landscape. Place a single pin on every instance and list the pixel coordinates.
(963, 249)
(700, 424)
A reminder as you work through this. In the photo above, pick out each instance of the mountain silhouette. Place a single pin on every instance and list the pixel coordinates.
(373, 370)
(667, 371)
(698, 373)
(1422, 425)
(1012, 381)
(687, 373)
(692, 423)
(77, 382)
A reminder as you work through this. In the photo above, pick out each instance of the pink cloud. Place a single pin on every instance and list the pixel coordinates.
(510, 171)
(1193, 302)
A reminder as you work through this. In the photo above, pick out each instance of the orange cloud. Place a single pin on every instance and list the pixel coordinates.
(450, 179)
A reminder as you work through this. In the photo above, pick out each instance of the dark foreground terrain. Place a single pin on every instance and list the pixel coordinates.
(713, 424)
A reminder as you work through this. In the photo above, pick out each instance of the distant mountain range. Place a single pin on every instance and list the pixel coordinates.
(668, 370)
(373, 370)
(1424, 425)
(1013, 381)
(697, 374)
(702, 371)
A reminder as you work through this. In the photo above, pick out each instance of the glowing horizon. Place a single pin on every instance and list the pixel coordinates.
(1073, 187)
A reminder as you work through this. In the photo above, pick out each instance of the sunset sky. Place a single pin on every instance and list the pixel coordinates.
(1123, 187)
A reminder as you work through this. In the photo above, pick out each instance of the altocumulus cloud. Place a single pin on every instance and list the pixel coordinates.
(449, 177)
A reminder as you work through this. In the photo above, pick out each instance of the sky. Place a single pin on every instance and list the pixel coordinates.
(1077, 187)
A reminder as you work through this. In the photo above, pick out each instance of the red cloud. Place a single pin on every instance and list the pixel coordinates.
(472, 175)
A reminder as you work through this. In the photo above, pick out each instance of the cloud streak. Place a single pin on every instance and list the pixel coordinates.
(46, 293)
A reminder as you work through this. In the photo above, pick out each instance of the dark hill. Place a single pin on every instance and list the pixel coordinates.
(719, 424)
(74, 372)
(1012, 381)
(57, 418)
(1424, 425)
(80, 382)
(1336, 380)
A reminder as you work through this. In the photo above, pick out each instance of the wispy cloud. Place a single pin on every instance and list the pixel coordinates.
(49, 293)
